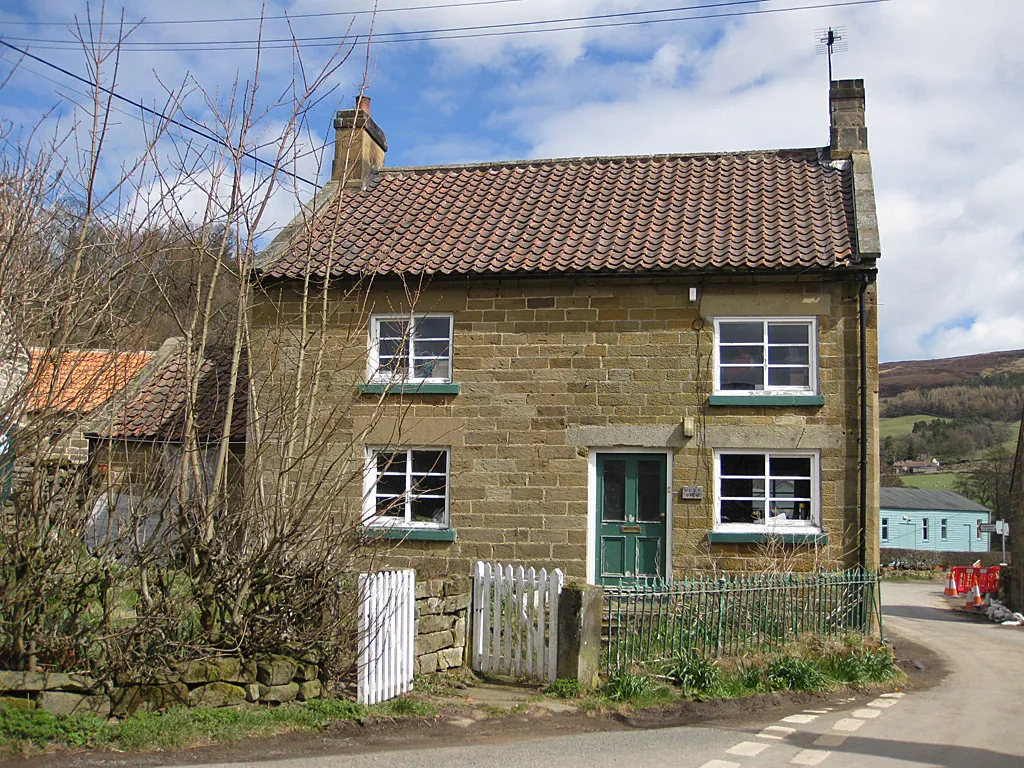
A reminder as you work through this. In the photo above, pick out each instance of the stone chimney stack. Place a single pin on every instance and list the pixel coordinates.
(846, 108)
(359, 139)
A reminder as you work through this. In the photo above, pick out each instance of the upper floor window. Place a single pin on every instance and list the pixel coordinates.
(767, 490)
(413, 348)
(766, 356)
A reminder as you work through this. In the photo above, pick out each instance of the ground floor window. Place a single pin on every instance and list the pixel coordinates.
(944, 528)
(762, 489)
(885, 529)
(407, 487)
(924, 529)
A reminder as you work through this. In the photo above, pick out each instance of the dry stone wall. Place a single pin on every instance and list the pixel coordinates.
(216, 682)
(442, 615)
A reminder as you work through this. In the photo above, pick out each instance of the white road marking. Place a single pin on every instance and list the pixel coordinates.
(720, 764)
(800, 719)
(891, 696)
(818, 711)
(747, 749)
(830, 740)
(866, 714)
(882, 703)
(847, 724)
(778, 732)
(809, 757)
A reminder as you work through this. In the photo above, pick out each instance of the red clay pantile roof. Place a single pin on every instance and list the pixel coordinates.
(80, 381)
(760, 210)
(157, 411)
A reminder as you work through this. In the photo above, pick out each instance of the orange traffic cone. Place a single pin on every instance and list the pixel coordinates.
(950, 590)
(977, 601)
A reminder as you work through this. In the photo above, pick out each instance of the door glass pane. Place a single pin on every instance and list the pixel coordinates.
(650, 490)
(613, 501)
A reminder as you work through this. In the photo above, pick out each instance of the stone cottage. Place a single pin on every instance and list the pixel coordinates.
(625, 367)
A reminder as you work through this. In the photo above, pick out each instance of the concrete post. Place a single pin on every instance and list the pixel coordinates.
(579, 633)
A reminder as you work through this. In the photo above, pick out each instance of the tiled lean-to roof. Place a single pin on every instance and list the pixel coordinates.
(80, 381)
(157, 410)
(784, 209)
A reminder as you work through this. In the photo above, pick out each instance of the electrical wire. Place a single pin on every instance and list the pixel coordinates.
(455, 33)
(289, 16)
(205, 134)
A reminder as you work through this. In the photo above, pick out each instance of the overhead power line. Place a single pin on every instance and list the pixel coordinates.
(203, 133)
(461, 33)
(144, 22)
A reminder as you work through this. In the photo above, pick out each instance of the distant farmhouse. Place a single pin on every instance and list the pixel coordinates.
(916, 467)
(936, 521)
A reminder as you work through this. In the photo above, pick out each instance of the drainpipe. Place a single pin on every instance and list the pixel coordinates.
(862, 320)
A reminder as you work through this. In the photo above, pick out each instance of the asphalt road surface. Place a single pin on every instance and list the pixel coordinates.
(974, 718)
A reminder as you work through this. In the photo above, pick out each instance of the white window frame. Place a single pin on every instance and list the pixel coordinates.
(924, 528)
(370, 517)
(885, 529)
(773, 525)
(374, 373)
(812, 357)
(944, 528)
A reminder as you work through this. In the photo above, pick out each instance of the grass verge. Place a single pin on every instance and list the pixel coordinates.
(24, 731)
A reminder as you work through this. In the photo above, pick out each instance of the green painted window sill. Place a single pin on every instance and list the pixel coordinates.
(724, 537)
(766, 400)
(415, 388)
(411, 534)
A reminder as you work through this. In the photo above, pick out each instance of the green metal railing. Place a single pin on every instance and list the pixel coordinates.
(733, 615)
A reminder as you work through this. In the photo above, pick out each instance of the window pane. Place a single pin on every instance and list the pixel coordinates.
(741, 355)
(743, 488)
(787, 355)
(742, 378)
(791, 510)
(742, 511)
(790, 466)
(789, 377)
(649, 491)
(788, 333)
(391, 348)
(393, 329)
(433, 328)
(430, 485)
(741, 332)
(392, 485)
(613, 501)
(430, 461)
(389, 506)
(392, 463)
(432, 350)
(742, 464)
(428, 510)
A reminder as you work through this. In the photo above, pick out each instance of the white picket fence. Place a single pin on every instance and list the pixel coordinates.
(387, 634)
(515, 620)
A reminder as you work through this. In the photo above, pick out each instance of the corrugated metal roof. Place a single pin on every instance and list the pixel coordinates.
(919, 498)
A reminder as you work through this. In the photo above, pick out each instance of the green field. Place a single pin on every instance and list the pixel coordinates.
(901, 425)
(941, 481)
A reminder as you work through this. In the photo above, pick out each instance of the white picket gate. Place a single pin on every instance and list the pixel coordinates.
(387, 634)
(515, 620)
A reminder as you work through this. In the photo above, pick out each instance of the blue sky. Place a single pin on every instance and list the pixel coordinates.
(945, 111)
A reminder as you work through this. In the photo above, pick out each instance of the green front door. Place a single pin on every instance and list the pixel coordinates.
(631, 491)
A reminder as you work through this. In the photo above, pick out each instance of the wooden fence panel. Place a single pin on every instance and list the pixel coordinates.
(387, 635)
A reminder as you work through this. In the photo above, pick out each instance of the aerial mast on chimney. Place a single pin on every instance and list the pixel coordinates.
(829, 41)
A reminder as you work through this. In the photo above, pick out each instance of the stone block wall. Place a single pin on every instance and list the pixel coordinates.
(216, 682)
(442, 616)
(553, 369)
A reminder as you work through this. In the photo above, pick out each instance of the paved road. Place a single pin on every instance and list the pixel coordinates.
(974, 719)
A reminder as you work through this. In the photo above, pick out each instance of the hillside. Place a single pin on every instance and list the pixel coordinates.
(971, 370)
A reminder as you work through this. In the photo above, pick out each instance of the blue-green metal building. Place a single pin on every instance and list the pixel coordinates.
(938, 521)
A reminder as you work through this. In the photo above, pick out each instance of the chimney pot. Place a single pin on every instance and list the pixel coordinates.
(363, 104)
